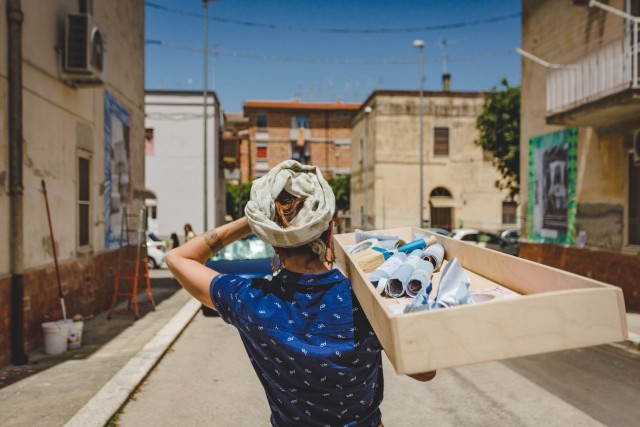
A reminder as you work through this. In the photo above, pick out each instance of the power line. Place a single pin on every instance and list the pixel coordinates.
(277, 58)
(268, 26)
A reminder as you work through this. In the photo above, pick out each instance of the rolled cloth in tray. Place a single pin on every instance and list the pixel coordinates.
(300, 181)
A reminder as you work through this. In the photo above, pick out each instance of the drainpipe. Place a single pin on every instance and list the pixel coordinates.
(16, 239)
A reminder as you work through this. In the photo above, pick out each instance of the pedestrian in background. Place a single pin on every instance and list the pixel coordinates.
(306, 335)
(188, 232)
(174, 241)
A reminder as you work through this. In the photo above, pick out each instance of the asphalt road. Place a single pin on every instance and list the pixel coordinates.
(206, 379)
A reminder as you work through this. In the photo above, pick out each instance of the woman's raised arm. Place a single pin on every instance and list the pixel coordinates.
(186, 262)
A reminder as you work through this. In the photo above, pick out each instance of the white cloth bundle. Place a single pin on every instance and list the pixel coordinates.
(299, 181)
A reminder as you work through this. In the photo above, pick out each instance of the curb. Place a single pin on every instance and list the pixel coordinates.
(633, 340)
(115, 393)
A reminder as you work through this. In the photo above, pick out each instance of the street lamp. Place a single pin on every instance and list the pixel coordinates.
(419, 44)
(206, 62)
(205, 3)
(365, 166)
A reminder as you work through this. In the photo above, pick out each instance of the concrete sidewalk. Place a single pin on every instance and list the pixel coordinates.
(89, 392)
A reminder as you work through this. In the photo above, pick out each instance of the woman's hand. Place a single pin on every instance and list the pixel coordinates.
(186, 262)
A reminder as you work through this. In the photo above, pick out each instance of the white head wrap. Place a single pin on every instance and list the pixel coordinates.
(299, 181)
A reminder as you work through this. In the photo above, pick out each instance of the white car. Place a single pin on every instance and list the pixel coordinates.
(156, 250)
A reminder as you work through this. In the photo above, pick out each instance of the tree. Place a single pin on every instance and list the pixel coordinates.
(499, 127)
(237, 198)
(341, 186)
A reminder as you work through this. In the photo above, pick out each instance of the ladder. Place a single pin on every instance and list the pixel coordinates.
(129, 270)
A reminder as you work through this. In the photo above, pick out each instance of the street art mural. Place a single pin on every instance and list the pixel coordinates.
(551, 216)
(118, 193)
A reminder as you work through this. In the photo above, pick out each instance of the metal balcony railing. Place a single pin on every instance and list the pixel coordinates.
(608, 69)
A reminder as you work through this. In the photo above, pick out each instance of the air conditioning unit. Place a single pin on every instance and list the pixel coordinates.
(636, 147)
(84, 50)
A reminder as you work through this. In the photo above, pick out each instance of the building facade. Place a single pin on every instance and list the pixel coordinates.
(312, 133)
(235, 147)
(71, 120)
(458, 187)
(580, 139)
(175, 162)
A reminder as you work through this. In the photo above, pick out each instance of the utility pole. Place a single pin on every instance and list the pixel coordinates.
(365, 167)
(419, 44)
(205, 96)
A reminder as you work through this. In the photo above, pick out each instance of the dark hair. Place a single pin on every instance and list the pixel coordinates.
(287, 207)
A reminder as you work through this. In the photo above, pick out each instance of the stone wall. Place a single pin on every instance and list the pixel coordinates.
(87, 286)
(609, 267)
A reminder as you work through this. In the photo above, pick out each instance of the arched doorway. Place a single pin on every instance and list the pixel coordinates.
(441, 206)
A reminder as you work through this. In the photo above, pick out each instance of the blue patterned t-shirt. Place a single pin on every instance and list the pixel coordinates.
(310, 343)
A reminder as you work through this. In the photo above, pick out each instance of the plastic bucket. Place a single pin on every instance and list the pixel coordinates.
(56, 335)
(74, 339)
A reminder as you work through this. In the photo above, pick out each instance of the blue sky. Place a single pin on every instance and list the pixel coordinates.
(279, 50)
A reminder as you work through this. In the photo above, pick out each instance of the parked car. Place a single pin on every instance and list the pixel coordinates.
(511, 235)
(485, 239)
(439, 231)
(248, 257)
(156, 250)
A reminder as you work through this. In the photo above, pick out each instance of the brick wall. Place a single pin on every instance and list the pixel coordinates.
(5, 320)
(279, 125)
(278, 152)
(87, 286)
(321, 153)
(324, 124)
(609, 267)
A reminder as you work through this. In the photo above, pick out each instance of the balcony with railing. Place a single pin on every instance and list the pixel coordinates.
(598, 86)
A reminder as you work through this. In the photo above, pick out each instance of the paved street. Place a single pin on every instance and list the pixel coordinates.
(206, 379)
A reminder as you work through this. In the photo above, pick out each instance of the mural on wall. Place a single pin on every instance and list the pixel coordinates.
(118, 193)
(551, 216)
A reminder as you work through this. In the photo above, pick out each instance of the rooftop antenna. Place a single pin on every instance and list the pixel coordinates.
(442, 44)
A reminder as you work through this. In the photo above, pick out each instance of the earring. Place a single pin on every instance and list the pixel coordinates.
(276, 264)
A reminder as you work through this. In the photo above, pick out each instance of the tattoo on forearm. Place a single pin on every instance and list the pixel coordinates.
(214, 241)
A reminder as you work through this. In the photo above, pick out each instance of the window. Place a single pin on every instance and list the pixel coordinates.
(488, 238)
(634, 202)
(472, 237)
(148, 141)
(301, 121)
(441, 142)
(300, 153)
(84, 200)
(262, 122)
(230, 153)
(509, 212)
(261, 152)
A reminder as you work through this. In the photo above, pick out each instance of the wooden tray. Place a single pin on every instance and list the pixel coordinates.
(538, 309)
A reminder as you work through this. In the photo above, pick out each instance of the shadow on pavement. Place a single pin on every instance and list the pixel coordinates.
(97, 331)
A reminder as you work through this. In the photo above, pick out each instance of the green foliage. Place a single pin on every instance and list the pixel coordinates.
(499, 128)
(237, 198)
(341, 186)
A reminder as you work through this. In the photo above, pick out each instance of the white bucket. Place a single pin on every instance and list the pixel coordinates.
(56, 335)
(75, 335)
